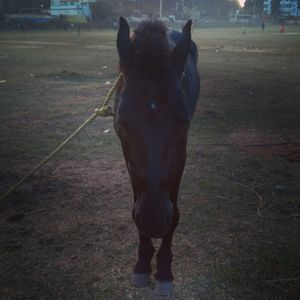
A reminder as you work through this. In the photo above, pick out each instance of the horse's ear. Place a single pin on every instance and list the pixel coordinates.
(124, 43)
(181, 50)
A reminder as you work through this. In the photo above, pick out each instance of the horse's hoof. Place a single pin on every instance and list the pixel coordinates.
(163, 288)
(141, 279)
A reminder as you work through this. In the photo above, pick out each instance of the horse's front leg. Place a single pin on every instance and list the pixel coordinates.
(142, 269)
(164, 276)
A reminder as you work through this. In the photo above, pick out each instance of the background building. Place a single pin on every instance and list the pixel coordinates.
(71, 8)
(286, 7)
(289, 8)
(268, 7)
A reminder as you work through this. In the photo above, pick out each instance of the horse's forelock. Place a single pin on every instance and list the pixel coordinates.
(150, 46)
(156, 29)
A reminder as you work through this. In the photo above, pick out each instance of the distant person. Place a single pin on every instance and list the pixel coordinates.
(115, 25)
(21, 26)
(263, 25)
(78, 29)
(244, 30)
(282, 28)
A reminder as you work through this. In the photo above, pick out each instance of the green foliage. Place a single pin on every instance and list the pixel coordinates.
(275, 9)
(101, 9)
(209, 8)
(104, 8)
(14, 6)
(253, 6)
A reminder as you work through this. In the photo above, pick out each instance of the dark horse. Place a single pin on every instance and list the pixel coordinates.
(153, 109)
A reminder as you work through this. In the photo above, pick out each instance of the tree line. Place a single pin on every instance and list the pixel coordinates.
(103, 8)
(256, 7)
(179, 8)
(17, 6)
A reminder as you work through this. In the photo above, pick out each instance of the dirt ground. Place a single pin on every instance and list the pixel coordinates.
(67, 232)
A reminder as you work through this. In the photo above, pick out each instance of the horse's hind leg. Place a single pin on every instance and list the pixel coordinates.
(164, 276)
(142, 270)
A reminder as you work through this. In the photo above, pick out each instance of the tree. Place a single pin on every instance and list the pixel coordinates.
(15, 6)
(275, 8)
(101, 9)
(213, 8)
(253, 6)
(179, 8)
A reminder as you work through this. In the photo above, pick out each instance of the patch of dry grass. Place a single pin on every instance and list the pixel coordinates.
(68, 232)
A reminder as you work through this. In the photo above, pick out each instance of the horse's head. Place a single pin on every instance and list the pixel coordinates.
(152, 119)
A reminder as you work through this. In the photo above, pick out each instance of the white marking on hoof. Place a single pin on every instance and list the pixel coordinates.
(163, 288)
(141, 279)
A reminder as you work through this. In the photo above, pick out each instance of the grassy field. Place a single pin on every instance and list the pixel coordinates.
(67, 232)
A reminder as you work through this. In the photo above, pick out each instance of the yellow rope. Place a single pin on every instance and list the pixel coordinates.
(106, 110)
(103, 111)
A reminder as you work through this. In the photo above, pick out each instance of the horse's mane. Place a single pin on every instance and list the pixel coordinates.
(150, 47)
